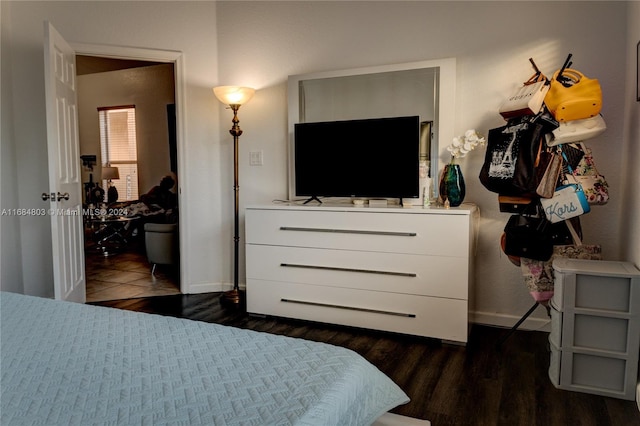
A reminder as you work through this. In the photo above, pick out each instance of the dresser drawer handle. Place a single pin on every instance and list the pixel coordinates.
(335, 268)
(349, 231)
(351, 308)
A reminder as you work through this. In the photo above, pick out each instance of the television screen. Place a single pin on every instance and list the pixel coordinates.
(358, 158)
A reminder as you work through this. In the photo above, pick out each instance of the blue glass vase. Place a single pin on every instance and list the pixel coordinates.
(452, 186)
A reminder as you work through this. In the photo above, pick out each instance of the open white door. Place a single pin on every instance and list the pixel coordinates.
(65, 199)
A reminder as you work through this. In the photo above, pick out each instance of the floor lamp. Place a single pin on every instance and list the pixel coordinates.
(234, 97)
(109, 174)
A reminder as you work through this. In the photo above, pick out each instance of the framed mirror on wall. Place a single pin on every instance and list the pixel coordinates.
(425, 88)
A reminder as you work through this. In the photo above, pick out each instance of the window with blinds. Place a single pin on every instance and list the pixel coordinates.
(118, 147)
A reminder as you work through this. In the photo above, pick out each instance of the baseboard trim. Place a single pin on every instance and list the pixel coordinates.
(204, 288)
(508, 321)
(209, 288)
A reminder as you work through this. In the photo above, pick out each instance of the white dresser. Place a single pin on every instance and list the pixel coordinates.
(405, 270)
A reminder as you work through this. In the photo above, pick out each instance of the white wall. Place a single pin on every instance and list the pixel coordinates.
(150, 89)
(261, 43)
(10, 253)
(630, 224)
(187, 27)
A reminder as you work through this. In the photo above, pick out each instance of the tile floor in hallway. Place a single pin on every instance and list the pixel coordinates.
(127, 275)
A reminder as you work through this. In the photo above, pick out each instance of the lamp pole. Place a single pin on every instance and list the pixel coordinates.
(233, 295)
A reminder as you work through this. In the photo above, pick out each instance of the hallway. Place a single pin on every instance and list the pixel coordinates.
(128, 275)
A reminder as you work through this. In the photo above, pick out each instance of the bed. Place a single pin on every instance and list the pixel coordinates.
(65, 363)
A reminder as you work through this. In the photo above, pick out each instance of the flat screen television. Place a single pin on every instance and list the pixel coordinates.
(369, 158)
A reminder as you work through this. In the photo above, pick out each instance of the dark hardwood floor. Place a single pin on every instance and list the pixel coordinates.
(479, 384)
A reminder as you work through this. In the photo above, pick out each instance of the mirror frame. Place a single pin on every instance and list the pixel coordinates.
(445, 108)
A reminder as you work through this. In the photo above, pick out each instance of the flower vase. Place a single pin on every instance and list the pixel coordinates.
(452, 188)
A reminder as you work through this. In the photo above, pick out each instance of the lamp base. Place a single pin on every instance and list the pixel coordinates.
(233, 297)
(112, 195)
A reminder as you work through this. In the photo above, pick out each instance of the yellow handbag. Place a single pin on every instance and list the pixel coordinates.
(573, 96)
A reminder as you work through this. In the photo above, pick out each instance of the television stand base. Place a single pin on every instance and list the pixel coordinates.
(313, 198)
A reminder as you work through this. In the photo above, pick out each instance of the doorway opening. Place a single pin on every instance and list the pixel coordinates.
(117, 264)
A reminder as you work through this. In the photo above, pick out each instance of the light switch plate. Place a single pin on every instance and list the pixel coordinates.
(255, 158)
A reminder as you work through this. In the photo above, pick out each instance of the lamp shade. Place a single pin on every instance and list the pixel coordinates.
(233, 95)
(109, 173)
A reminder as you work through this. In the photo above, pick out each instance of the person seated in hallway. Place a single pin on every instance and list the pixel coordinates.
(161, 196)
(158, 205)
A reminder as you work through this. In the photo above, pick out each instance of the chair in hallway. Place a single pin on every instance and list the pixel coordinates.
(161, 243)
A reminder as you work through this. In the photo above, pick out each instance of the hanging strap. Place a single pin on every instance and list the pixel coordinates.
(566, 160)
(574, 235)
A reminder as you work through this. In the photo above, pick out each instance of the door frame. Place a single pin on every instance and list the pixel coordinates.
(168, 56)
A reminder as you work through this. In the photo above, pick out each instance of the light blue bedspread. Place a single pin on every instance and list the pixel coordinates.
(70, 364)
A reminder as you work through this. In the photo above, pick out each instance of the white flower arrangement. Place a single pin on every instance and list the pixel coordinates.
(461, 145)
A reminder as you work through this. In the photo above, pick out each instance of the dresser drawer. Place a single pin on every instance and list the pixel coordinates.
(400, 313)
(391, 272)
(395, 232)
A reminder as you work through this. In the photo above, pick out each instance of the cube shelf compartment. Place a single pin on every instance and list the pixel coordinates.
(595, 327)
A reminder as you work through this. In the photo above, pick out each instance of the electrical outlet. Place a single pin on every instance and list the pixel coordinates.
(255, 158)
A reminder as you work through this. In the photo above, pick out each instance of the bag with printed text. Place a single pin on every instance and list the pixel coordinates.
(511, 156)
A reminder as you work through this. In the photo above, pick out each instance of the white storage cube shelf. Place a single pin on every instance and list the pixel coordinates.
(555, 336)
(595, 327)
